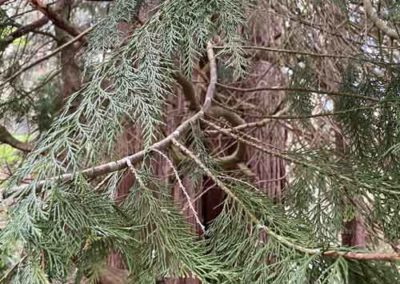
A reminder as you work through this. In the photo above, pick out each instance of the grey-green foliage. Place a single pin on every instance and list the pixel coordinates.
(71, 224)
(76, 224)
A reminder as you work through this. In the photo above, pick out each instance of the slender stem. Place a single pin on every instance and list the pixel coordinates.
(278, 116)
(301, 90)
(51, 54)
(182, 187)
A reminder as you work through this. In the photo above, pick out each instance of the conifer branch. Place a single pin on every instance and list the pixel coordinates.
(295, 52)
(342, 177)
(317, 55)
(279, 116)
(122, 163)
(182, 187)
(379, 256)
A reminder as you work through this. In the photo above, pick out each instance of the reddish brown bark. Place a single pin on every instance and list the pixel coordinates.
(70, 71)
(270, 170)
(354, 234)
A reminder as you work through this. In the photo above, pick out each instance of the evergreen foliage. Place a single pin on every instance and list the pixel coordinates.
(65, 228)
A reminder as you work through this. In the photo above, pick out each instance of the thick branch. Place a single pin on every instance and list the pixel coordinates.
(24, 30)
(122, 163)
(190, 95)
(7, 138)
(56, 19)
(379, 23)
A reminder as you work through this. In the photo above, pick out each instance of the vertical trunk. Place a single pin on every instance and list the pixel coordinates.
(270, 173)
(354, 232)
(70, 70)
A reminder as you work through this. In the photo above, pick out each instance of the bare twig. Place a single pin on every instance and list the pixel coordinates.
(51, 54)
(303, 90)
(56, 19)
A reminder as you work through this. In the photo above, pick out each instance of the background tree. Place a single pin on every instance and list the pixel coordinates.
(221, 141)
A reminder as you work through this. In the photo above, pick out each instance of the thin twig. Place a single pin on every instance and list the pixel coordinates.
(191, 206)
(135, 173)
(278, 116)
(303, 90)
(54, 52)
(312, 54)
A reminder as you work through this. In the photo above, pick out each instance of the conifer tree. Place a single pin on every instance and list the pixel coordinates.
(202, 141)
